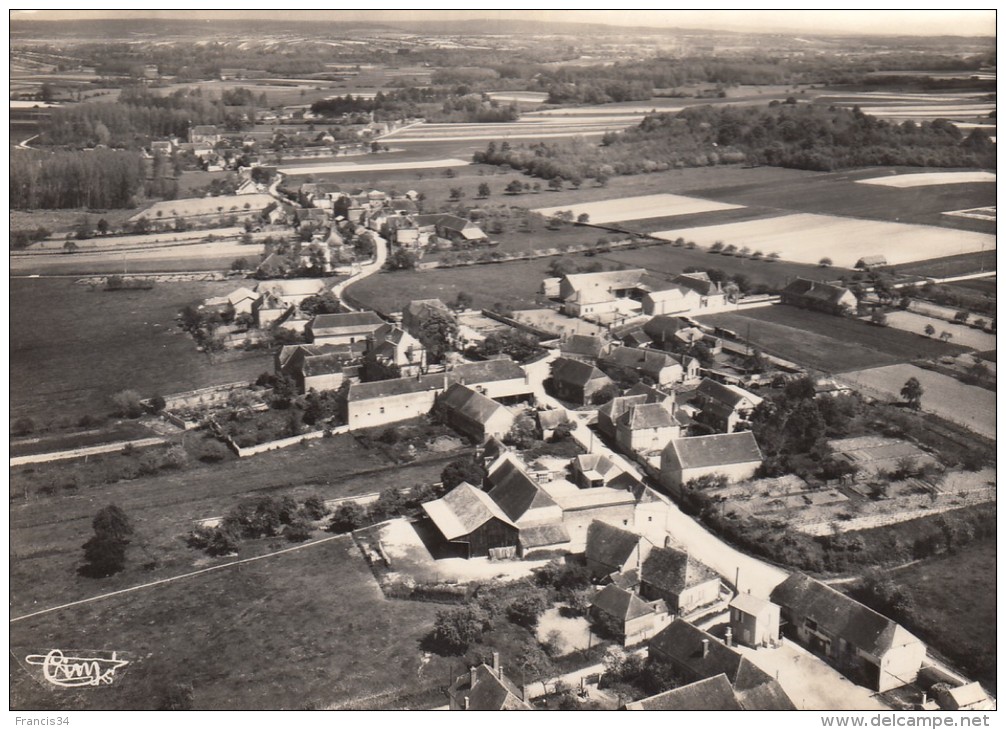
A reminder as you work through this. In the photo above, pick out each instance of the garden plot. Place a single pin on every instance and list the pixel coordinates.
(643, 206)
(372, 166)
(960, 334)
(920, 179)
(808, 237)
(966, 405)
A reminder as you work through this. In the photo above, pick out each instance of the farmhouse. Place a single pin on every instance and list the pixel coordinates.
(452, 227)
(629, 616)
(501, 378)
(389, 401)
(270, 309)
(468, 519)
(601, 292)
(317, 367)
(645, 428)
(673, 300)
(612, 549)
(472, 414)
(393, 345)
(343, 329)
(659, 367)
(678, 579)
(754, 621)
(609, 413)
(820, 296)
(710, 292)
(869, 647)
(735, 456)
(486, 689)
(577, 381)
(724, 406)
(661, 329)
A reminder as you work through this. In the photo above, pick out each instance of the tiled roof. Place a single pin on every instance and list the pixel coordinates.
(751, 605)
(542, 535)
(346, 322)
(609, 545)
(575, 372)
(583, 345)
(639, 359)
(681, 642)
(515, 492)
(808, 289)
(666, 568)
(462, 511)
(712, 694)
(493, 693)
(552, 417)
(397, 386)
(729, 395)
(469, 404)
(698, 281)
(620, 603)
(765, 697)
(618, 405)
(719, 449)
(662, 327)
(648, 415)
(488, 371)
(840, 615)
(605, 280)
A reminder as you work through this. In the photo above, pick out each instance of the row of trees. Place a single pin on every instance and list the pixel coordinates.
(95, 179)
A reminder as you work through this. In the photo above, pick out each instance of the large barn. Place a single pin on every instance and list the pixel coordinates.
(469, 520)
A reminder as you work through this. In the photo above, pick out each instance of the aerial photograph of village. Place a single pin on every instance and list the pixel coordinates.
(502, 360)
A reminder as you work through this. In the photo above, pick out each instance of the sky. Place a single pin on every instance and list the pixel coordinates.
(830, 22)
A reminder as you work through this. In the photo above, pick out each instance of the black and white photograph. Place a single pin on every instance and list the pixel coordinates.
(479, 360)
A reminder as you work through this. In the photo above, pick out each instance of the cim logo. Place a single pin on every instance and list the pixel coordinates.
(78, 669)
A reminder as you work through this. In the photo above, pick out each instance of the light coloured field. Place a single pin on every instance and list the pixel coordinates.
(987, 213)
(526, 128)
(373, 166)
(149, 239)
(961, 334)
(528, 97)
(966, 405)
(643, 206)
(921, 179)
(221, 204)
(807, 237)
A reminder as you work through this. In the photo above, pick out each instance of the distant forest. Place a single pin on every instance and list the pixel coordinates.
(804, 136)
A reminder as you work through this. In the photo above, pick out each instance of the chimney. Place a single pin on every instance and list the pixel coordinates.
(925, 698)
(705, 648)
(729, 636)
(496, 665)
(467, 702)
(474, 675)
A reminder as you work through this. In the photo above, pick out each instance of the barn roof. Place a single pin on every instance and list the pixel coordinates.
(468, 403)
(575, 372)
(463, 510)
(583, 345)
(682, 643)
(393, 387)
(808, 289)
(840, 615)
(542, 535)
(345, 322)
(515, 492)
(488, 371)
(648, 415)
(696, 452)
(620, 603)
(712, 694)
(667, 568)
(610, 545)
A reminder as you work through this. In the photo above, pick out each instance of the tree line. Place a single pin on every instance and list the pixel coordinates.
(92, 179)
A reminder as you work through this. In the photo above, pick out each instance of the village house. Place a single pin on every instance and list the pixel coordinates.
(629, 616)
(710, 292)
(636, 337)
(688, 337)
(389, 401)
(270, 309)
(754, 621)
(612, 549)
(820, 296)
(578, 382)
(681, 581)
(697, 655)
(673, 300)
(868, 647)
(292, 291)
(661, 328)
(609, 413)
(501, 379)
(486, 689)
(451, 227)
(586, 348)
(645, 428)
(473, 414)
(343, 329)
(317, 367)
(394, 346)
(659, 367)
(471, 523)
(735, 456)
(520, 496)
(204, 135)
(725, 407)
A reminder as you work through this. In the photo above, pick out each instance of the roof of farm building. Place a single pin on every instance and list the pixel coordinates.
(597, 465)
(730, 395)
(610, 545)
(683, 644)
(488, 371)
(639, 359)
(751, 605)
(543, 535)
(637, 338)
(291, 287)
(552, 418)
(490, 692)
(710, 695)
(648, 415)
(807, 289)
(840, 615)
(620, 603)
(618, 405)
(700, 282)
(583, 345)
(469, 404)
(516, 493)
(398, 386)
(667, 568)
(347, 322)
(719, 449)
(575, 372)
(671, 293)
(463, 510)
(662, 327)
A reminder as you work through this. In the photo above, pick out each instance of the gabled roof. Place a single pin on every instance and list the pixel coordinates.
(712, 694)
(667, 568)
(696, 452)
(327, 364)
(542, 535)
(575, 372)
(610, 545)
(345, 322)
(681, 642)
(515, 492)
(648, 415)
(583, 345)
(396, 386)
(489, 371)
(808, 289)
(605, 280)
(698, 281)
(638, 359)
(462, 511)
(729, 395)
(751, 605)
(469, 404)
(662, 327)
(653, 394)
(292, 287)
(604, 467)
(618, 405)
(241, 294)
(493, 693)
(765, 697)
(637, 338)
(670, 293)
(621, 604)
(840, 615)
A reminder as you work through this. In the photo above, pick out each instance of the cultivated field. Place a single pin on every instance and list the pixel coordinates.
(915, 107)
(307, 628)
(825, 342)
(644, 206)
(137, 241)
(930, 178)
(962, 335)
(71, 348)
(216, 256)
(351, 167)
(967, 405)
(807, 238)
(219, 205)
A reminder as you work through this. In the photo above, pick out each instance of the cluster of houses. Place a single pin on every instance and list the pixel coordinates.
(714, 674)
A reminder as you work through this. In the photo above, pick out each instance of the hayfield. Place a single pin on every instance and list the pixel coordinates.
(921, 179)
(643, 206)
(219, 205)
(967, 405)
(826, 342)
(807, 238)
(71, 348)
